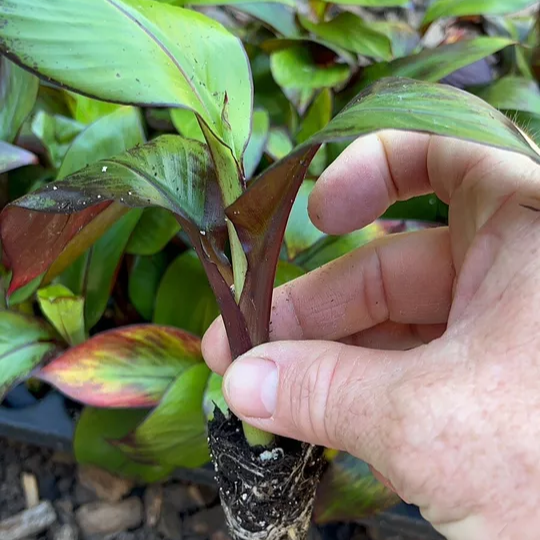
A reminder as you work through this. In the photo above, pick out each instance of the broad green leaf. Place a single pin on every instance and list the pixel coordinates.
(93, 274)
(279, 144)
(286, 272)
(186, 123)
(128, 367)
(106, 137)
(91, 444)
(435, 64)
(153, 232)
(418, 106)
(13, 157)
(512, 93)
(278, 17)
(170, 172)
(144, 278)
(18, 92)
(175, 432)
(458, 8)
(261, 213)
(529, 123)
(134, 52)
(257, 142)
(184, 298)
(350, 32)
(25, 342)
(317, 116)
(349, 492)
(56, 133)
(294, 68)
(65, 311)
(87, 110)
(213, 396)
(300, 233)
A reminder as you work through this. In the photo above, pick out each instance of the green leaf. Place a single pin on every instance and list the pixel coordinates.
(213, 396)
(530, 123)
(93, 274)
(171, 172)
(106, 137)
(87, 110)
(418, 106)
(18, 92)
(184, 298)
(435, 64)
(372, 3)
(317, 116)
(349, 492)
(163, 55)
(186, 123)
(329, 248)
(350, 32)
(286, 272)
(144, 278)
(175, 432)
(153, 232)
(279, 143)
(56, 133)
(257, 142)
(261, 213)
(294, 68)
(300, 233)
(13, 157)
(132, 366)
(512, 93)
(404, 39)
(96, 427)
(65, 311)
(458, 8)
(277, 17)
(25, 342)
(224, 2)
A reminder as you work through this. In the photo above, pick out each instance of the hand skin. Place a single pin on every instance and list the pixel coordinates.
(419, 353)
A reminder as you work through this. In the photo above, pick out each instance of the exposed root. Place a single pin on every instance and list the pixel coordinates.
(266, 493)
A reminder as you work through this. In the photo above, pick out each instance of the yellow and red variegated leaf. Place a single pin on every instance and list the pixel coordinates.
(128, 367)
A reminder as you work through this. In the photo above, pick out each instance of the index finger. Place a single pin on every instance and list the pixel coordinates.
(377, 170)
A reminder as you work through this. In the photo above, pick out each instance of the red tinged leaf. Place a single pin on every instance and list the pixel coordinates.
(129, 367)
(31, 241)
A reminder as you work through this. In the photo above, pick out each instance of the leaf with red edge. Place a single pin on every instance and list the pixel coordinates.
(260, 214)
(128, 367)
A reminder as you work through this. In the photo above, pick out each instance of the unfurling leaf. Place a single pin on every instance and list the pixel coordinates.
(349, 491)
(175, 432)
(127, 367)
(65, 311)
(162, 55)
(25, 342)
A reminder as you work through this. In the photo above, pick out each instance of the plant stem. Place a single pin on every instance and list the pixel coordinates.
(257, 437)
(230, 183)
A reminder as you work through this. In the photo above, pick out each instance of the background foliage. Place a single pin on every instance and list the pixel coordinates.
(79, 320)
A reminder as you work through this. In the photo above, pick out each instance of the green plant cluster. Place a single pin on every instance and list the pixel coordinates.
(102, 293)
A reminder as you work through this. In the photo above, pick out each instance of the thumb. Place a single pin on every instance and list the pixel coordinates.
(322, 392)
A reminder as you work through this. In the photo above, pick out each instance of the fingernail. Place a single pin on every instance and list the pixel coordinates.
(251, 387)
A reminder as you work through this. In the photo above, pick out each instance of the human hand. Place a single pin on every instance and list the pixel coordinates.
(453, 422)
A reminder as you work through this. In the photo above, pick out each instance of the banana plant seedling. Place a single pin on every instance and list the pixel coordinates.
(154, 54)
